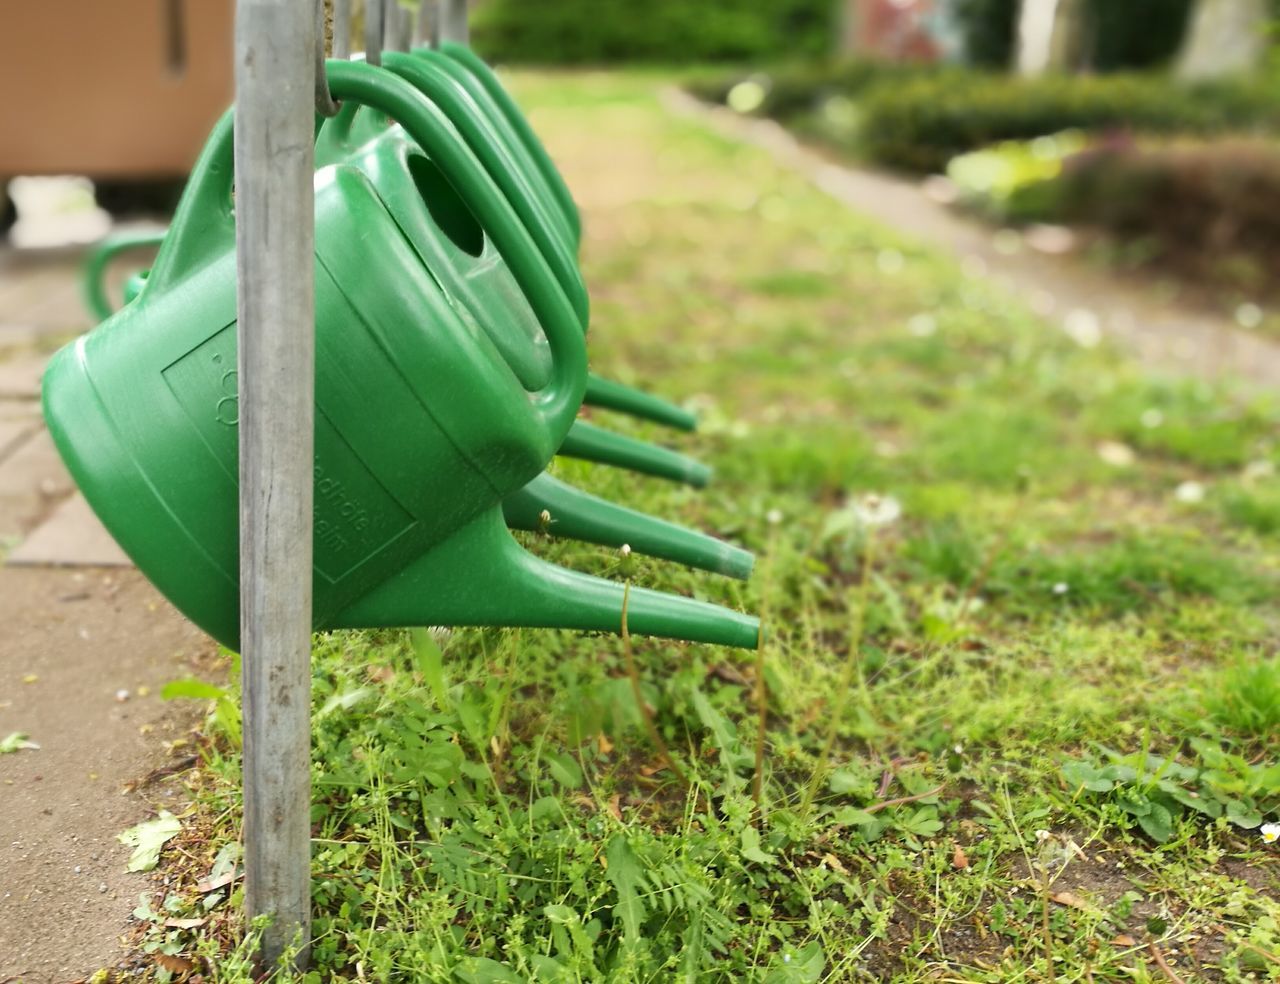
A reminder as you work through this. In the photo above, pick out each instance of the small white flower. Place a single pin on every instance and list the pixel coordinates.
(773, 517)
(746, 96)
(1189, 492)
(625, 550)
(1116, 454)
(890, 261)
(1043, 835)
(873, 510)
(1249, 315)
(1083, 327)
(922, 325)
(544, 517)
(786, 958)
(1270, 833)
(1061, 588)
(1254, 470)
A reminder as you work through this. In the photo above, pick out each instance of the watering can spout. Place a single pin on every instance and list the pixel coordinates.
(481, 576)
(592, 443)
(627, 399)
(548, 505)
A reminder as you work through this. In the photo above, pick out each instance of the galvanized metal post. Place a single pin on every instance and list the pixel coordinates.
(427, 30)
(453, 21)
(275, 233)
(341, 29)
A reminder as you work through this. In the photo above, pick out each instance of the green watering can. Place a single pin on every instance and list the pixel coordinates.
(478, 80)
(144, 412)
(481, 287)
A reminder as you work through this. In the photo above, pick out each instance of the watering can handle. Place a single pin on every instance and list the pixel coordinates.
(205, 219)
(559, 401)
(92, 284)
(462, 111)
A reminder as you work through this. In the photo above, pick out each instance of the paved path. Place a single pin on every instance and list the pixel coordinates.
(73, 641)
(1085, 300)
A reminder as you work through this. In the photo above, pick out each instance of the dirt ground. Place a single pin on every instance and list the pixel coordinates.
(83, 655)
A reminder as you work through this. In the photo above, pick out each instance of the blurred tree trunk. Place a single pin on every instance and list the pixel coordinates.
(1052, 36)
(1226, 37)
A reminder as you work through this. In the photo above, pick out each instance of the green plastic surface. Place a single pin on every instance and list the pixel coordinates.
(144, 411)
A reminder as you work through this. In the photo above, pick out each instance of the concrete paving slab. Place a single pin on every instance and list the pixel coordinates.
(72, 536)
(32, 480)
(20, 376)
(13, 431)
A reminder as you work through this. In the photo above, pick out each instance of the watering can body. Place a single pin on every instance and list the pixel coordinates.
(144, 410)
(471, 271)
(145, 413)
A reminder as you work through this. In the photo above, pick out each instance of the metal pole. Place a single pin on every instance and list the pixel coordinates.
(341, 29)
(453, 21)
(427, 31)
(373, 18)
(275, 233)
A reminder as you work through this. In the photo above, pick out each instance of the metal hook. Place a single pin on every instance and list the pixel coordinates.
(325, 105)
(373, 21)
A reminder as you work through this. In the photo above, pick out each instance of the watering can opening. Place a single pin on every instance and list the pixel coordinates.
(451, 215)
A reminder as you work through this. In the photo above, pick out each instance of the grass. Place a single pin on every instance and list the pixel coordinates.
(1048, 641)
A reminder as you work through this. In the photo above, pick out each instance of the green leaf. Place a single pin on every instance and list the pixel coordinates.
(429, 661)
(751, 849)
(564, 769)
(627, 877)
(1083, 774)
(17, 742)
(475, 720)
(846, 781)
(1243, 814)
(853, 817)
(482, 970)
(191, 689)
(804, 966)
(726, 737)
(1157, 823)
(344, 701)
(147, 838)
(923, 822)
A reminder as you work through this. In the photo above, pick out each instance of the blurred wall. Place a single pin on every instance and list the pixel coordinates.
(112, 88)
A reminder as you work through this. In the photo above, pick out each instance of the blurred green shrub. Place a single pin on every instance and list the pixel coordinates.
(1207, 210)
(797, 89)
(921, 124)
(1016, 181)
(662, 31)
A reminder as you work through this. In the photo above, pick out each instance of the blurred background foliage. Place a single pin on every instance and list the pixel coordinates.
(1124, 33)
(1151, 128)
(575, 32)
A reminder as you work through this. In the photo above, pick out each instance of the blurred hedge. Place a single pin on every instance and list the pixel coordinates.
(921, 124)
(572, 32)
(1209, 211)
